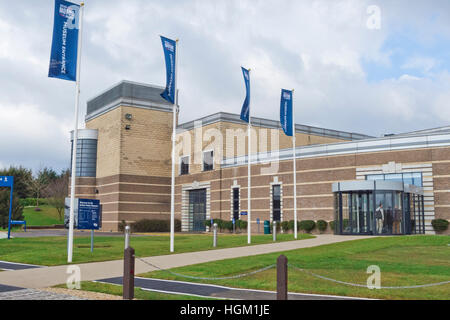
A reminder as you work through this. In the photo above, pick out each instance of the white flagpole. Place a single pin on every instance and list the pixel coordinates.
(249, 214)
(174, 132)
(75, 139)
(294, 165)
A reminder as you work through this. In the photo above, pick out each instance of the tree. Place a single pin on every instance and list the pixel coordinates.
(23, 179)
(17, 209)
(56, 192)
(44, 177)
(22, 182)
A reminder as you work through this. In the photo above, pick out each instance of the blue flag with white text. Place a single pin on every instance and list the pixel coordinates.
(170, 49)
(245, 112)
(286, 112)
(63, 58)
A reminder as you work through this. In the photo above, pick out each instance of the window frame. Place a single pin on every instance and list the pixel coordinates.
(203, 160)
(181, 165)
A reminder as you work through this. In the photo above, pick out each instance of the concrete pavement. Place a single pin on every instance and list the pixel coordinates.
(51, 276)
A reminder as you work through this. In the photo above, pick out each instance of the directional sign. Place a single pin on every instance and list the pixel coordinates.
(257, 220)
(244, 213)
(89, 214)
(6, 181)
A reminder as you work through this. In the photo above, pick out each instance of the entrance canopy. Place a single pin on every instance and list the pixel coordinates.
(378, 207)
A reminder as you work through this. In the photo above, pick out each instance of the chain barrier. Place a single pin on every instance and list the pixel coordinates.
(204, 278)
(365, 286)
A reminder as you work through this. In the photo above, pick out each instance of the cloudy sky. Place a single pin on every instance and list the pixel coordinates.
(351, 71)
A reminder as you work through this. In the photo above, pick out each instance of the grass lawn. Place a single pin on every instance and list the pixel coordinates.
(47, 217)
(52, 251)
(403, 260)
(138, 292)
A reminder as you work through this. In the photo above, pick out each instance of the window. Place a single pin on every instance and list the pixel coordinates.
(235, 203)
(184, 165)
(414, 178)
(208, 160)
(276, 202)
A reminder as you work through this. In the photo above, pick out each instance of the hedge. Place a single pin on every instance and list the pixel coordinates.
(440, 225)
(147, 225)
(322, 225)
(307, 225)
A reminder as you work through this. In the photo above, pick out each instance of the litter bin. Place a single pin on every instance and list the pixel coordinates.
(266, 227)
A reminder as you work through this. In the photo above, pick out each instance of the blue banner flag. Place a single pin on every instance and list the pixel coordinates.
(63, 59)
(286, 112)
(245, 112)
(170, 51)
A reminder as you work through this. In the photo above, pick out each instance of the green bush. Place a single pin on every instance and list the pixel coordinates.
(322, 225)
(307, 225)
(31, 202)
(440, 225)
(148, 225)
(278, 226)
(285, 226)
(241, 224)
(332, 225)
(227, 225)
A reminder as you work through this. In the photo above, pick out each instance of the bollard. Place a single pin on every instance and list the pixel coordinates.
(274, 231)
(128, 274)
(215, 235)
(282, 278)
(127, 237)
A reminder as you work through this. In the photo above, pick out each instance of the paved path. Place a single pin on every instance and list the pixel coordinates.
(51, 276)
(5, 265)
(33, 294)
(214, 291)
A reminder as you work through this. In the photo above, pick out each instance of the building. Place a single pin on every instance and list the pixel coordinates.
(124, 160)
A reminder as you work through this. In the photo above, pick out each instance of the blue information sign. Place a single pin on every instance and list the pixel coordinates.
(257, 220)
(89, 214)
(244, 213)
(8, 181)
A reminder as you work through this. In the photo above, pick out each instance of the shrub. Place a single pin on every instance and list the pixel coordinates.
(228, 225)
(122, 226)
(31, 202)
(332, 225)
(322, 225)
(241, 224)
(147, 225)
(307, 225)
(278, 226)
(440, 225)
(207, 223)
(285, 226)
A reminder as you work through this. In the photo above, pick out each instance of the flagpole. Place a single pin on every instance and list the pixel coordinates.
(174, 132)
(249, 214)
(75, 139)
(294, 165)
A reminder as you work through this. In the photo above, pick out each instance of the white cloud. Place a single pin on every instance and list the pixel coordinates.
(316, 47)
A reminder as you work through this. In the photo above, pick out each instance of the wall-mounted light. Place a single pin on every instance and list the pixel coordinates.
(128, 116)
(127, 127)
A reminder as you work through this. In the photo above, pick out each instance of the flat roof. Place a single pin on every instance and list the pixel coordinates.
(270, 124)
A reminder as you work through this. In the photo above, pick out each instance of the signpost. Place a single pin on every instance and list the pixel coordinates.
(8, 181)
(87, 216)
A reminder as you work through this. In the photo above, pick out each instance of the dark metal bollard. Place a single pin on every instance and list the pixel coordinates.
(128, 274)
(282, 278)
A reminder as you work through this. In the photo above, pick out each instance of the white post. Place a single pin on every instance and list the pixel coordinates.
(174, 132)
(294, 166)
(127, 237)
(75, 140)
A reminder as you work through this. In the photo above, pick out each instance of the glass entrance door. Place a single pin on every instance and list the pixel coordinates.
(360, 213)
(197, 209)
